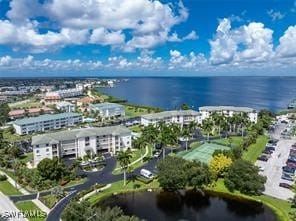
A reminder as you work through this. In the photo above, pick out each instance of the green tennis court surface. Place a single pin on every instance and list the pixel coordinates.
(202, 153)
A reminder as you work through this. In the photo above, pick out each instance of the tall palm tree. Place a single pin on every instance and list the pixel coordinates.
(140, 143)
(218, 120)
(186, 134)
(207, 126)
(124, 158)
(150, 134)
(192, 127)
(244, 119)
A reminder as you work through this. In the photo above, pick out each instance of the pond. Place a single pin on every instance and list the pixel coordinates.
(188, 206)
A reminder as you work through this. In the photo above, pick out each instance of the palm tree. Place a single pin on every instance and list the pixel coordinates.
(186, 134)
(124, 158)
(244, 119)
(140, 144)
(218, 120)
(150, 134)
(207, 126)
(192, 127)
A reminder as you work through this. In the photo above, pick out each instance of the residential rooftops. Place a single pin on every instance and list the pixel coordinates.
(226, 108)
(64, 104)
(53, 138)
(173, 113)
(45, 117)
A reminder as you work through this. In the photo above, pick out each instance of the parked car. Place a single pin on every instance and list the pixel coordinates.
(288, 169)
(267, 151)
(270, 148)
(146, 173)
(286, 185)
(263, 158)
(294, 145)
(284, 122)
(291, 164)
(261, 168)
(287, 176)
(156, 154)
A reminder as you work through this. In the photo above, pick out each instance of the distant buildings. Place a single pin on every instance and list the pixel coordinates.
(51, 99)
(20, 113)
(65, 106)
(176, 116)
(85, 101)
(107, 110)
(79, 142)
(73, 92)
(228, 111)
(46, 122)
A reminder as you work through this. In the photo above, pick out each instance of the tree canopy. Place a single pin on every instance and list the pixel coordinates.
(220, 164)
(243, 176)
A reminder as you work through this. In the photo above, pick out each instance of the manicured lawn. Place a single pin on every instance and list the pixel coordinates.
(236, 141)
(27, 157)
(136, 128)
(31, 208)
(75, 182)
(14, 137)
(118, 187)
(8, 189)
(280, 207)
(194, 144)
(255, 150)
(136, 154)
(49, 200)
(131, 111)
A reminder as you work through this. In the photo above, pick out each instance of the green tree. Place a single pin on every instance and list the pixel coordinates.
(4, 110)
(171, 173)
(218, 120)
(186, 135)
(185, 106)
(207, 126)
(140, 144)
(243, 176)
(124, 159)
(53, 170)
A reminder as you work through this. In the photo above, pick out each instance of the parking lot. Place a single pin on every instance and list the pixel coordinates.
(273, 167)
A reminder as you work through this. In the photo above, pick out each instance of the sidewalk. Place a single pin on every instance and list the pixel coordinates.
(137, 160)
(25, 192)
(8, 208)
(95, 191)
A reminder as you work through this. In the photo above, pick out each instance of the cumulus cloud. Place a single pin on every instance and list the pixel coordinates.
(103, 22)
(191, 61)
(287, 46)
(252, 43)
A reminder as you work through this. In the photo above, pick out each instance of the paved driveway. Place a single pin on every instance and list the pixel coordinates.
(7, 208)
(273, 167)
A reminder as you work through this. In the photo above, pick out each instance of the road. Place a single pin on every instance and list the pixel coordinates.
(103, 177)
(8, 210)
(273, 167)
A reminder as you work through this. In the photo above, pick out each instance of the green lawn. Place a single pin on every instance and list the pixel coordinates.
(256, 149)
(14, 137)
(118, 187)
(236, 141)
(194, 144)
(136, 154)
(8, 189)
(131, 111)
(75, 182)
(30, 208)
(136, 128)
(49, 200)
(280, 207)
(27, 157)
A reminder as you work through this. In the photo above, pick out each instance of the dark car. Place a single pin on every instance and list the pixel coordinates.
(267, 151)
(288, 169)
(270, 148)
(284, 122)
(286, 185)
(291, 164)
(287, 176)
(294, 145)
(263, 158)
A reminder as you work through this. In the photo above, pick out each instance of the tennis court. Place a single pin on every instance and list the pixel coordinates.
(202, 153)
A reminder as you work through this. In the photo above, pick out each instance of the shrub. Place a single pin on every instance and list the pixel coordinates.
(3, 177)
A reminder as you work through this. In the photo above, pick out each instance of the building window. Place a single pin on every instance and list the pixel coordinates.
(37, 151)
(47, 144)
(86, 139)
(37, 146)
(47, 150)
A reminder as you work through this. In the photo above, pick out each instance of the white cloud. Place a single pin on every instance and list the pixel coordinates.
(5, 61)
(275, 15)
(105, 22)
(191, 61)
(247, 43)
(287, 46)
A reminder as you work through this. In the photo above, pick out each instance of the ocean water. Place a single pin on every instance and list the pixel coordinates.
(273, 93)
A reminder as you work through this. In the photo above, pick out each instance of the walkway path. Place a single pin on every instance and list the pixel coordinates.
(7, 208)
(25, 192)
(137, 160)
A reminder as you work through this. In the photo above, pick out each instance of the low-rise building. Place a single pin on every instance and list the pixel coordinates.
(182, 117)
(51, 99)
(65, 106)
(228, 111)
(46, 122)
(107, 110)
(85, 101)
(79, 142)
(20, 113)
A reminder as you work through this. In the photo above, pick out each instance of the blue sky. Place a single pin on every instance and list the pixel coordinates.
(146, 37)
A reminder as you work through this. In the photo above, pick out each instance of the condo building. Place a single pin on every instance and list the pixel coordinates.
(181, 117)
(228, 111)
(73, 92)
(65, 106)
(46, 122)
(79, 142)
(107, 110)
